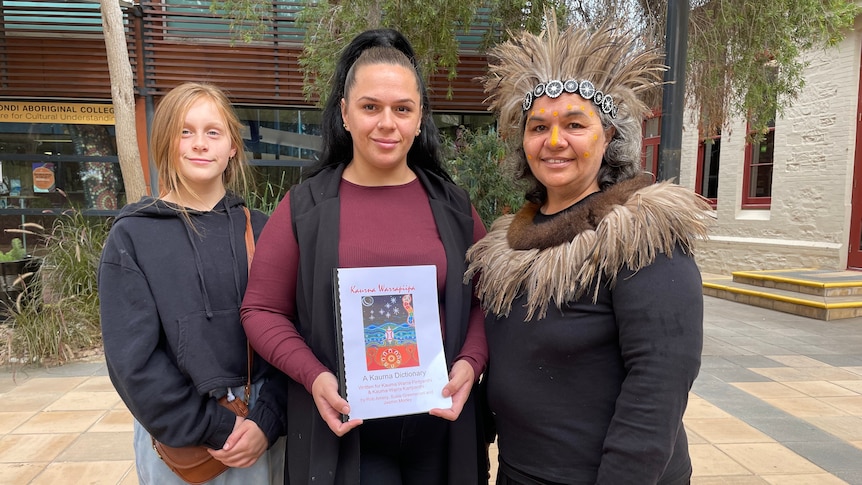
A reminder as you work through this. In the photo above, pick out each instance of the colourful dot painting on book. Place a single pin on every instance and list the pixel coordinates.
(390, 332)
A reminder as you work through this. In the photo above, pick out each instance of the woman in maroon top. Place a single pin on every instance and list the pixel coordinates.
(378, 197)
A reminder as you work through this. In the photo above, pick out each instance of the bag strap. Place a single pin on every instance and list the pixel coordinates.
(249, 249)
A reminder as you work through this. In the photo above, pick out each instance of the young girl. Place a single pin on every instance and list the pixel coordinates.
(171, 281)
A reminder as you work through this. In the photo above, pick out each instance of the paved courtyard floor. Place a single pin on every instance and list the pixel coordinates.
(778, 401)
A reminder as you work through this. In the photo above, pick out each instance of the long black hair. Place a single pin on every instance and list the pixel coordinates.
(337, 145)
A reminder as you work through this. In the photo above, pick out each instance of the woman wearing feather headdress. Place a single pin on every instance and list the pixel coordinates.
(595, 310)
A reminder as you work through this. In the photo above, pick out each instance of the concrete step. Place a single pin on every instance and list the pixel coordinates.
(821, 296)
(808, 281)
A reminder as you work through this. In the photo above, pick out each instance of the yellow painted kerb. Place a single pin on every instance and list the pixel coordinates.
(795, 281)
(786, 299)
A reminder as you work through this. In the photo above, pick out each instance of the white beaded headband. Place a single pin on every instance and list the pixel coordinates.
(583, 88)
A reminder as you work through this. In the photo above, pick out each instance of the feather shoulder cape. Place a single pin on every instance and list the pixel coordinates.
(623, 226)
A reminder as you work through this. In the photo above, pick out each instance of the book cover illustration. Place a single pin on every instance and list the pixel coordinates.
(390, 332)
(391, 345)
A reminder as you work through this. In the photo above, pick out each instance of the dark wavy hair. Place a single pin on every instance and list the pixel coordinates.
(337, 146)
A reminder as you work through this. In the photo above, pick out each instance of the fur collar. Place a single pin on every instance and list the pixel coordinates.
(623, 226)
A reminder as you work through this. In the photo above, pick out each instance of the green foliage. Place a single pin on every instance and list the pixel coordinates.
(745, 58)
(58, 313)
(474, 160)
(431, 26)
(266, 196)
(17, 252)
(249, 19)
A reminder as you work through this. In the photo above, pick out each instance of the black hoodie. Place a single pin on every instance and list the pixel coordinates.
(170, 294)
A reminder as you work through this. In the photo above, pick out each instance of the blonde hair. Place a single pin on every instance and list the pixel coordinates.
(167, 130)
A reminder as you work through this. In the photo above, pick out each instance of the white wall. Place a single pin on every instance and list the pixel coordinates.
(808, 222)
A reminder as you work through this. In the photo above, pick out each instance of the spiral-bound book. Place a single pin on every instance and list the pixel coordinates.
(390, 343)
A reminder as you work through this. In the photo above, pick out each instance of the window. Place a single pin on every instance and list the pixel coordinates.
(652, 137)
(708, 152)
(757, 172)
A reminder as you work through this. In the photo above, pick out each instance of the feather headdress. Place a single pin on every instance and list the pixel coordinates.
(611, 58)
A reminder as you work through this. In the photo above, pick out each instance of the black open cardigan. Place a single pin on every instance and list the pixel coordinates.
(314, 454)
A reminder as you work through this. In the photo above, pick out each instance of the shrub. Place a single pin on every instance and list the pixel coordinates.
(58, 313)
(474, 160)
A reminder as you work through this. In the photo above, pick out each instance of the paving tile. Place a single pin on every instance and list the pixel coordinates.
(808, 349)
(693, 437)
(97, 383)
(855, 386)
(726, 430)
(854, 369)
(783, 374)
(33, 448)
(711, 362)
(836, 457)
(709, 461)
(763, 348)
(10, 421)
(76, 401)
(803, 407)
(830, 374)
(32, 401)
(738, 374)
(48, 384)
(848, 428)
(840, 360)
(700, 408)
(59, 422)
(79, 369)
(89, 473)
(806, 479)
(852, 405)
(19, 473)
(493, 454)
(114, 421)
(100, 447)
(821, 388)
(797, 361)
(131, 477)
(765, 390)
(725, 480)
(768, 458)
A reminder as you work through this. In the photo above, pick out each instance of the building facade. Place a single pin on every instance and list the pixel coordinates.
(794, 199)
(57, 138)
(791, 200)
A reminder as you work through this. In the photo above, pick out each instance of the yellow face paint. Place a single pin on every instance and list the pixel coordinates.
(555, 136)
(586, 154)
(555, 114)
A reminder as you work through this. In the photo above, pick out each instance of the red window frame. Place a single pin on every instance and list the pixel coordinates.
(758, 168)
(651, 145)
(701, 163)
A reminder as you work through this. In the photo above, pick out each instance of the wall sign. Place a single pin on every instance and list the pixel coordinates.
(45, 112)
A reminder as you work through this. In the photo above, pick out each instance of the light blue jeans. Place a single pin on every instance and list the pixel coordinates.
(268, 469)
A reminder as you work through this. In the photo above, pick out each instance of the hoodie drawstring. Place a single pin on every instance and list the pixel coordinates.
(200, 269)
(236, 268)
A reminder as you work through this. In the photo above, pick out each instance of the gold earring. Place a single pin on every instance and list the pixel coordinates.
(345, 126)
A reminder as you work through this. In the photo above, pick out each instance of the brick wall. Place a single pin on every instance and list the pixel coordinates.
(808, 222)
